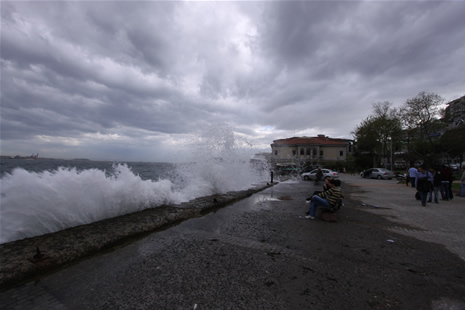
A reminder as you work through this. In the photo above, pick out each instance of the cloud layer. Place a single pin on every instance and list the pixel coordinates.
(139, 80)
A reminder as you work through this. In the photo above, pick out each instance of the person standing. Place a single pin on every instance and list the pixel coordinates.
(412, 172)
(463, 182)
(451, 181)
(446, 176)
(435, 185)
(423, 181)
(318, 176)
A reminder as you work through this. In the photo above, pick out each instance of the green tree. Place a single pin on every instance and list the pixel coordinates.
(420, 117)
(453, 142)
(376, 134)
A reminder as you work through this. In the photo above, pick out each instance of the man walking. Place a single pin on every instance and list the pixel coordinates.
(412, 172)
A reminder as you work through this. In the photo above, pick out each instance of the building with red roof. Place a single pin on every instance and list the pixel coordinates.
(303, 151)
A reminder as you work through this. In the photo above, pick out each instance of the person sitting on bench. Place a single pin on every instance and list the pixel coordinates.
(325, 188)
(330, 198)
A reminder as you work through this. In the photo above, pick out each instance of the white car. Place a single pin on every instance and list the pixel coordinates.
(326, 174)
(377, 173)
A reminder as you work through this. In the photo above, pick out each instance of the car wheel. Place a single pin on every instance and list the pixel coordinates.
(379, 177)
(306, 178)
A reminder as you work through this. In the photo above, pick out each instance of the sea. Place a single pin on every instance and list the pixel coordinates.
(47, 195)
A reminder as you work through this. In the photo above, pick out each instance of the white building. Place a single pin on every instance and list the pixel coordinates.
(300, 151)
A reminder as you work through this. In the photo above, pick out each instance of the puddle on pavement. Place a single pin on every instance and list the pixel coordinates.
(261, 201)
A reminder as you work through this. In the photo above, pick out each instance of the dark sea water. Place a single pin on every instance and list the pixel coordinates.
(146, 170)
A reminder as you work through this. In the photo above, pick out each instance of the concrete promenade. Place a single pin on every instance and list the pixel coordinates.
(385, 252)
(442, 223)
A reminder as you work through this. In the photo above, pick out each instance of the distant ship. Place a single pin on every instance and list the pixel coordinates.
(27, 157)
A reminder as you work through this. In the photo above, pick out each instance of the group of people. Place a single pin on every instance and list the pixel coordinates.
(432, 181)
(330, 198)
(429, 183)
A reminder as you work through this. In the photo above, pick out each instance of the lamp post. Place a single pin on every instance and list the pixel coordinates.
(391, 155)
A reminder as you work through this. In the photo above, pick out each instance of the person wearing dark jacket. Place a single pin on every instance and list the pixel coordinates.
(318, 176)
(451, 180)
(422, 183)
(446, 176)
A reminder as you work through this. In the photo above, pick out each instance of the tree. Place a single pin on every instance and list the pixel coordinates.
(453, 142)
(420, 118)
(375, 134)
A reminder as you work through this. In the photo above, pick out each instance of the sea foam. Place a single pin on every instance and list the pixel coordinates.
(36, 203)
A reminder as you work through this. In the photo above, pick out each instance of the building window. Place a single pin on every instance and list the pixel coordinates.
(341, 153)
(302, 152)
(321, 153)
(294, 152)
(276, 152)
(314, 152)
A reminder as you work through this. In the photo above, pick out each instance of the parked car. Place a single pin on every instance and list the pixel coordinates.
(326, 174)
(377, 173)
(308, 169)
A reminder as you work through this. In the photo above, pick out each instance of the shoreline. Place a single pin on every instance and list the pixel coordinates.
(68, 246)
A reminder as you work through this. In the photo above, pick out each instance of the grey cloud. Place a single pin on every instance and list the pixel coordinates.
(146, 71)
(364, 37)
(294, 33)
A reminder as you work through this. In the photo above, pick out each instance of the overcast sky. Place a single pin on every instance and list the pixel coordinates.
(138, 80)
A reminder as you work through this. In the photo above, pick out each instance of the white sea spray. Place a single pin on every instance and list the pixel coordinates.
(36, 203)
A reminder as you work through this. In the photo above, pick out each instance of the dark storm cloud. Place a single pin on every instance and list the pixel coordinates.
(108, 76)
(334, 38)
(295, 33)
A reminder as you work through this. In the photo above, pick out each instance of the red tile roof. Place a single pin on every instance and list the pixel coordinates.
(320, 140)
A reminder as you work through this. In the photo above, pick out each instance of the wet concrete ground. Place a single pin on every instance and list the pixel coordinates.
(442, 223)
(260, 253)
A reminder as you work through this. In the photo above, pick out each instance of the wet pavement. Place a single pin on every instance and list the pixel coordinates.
(442, 222)
(260, 253)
